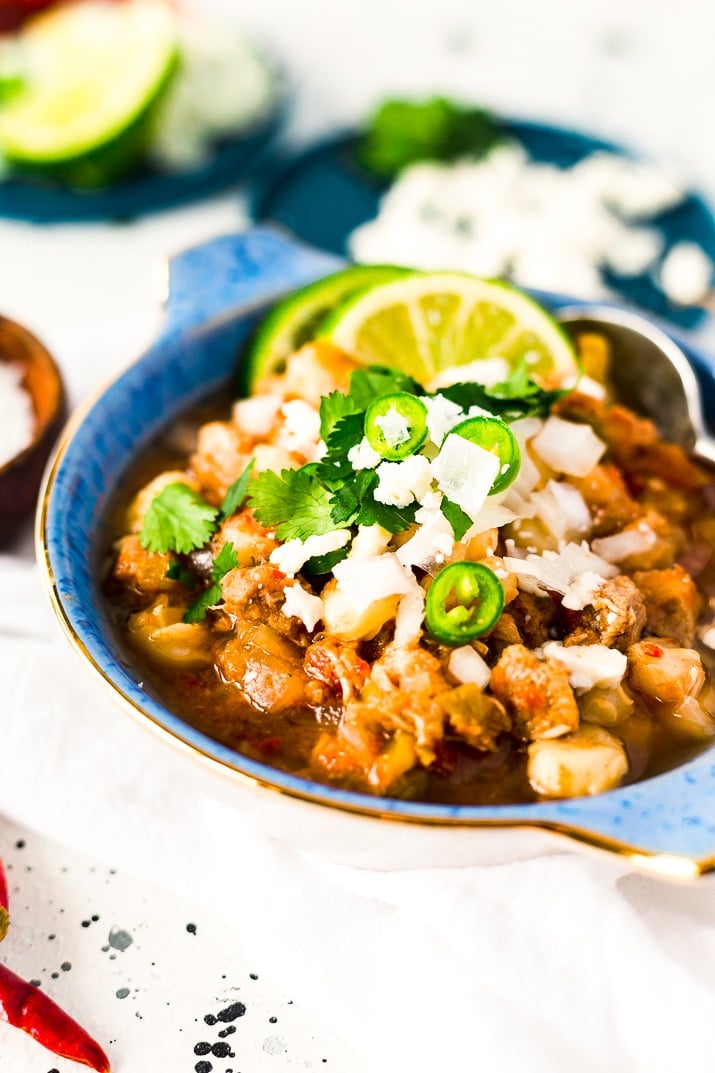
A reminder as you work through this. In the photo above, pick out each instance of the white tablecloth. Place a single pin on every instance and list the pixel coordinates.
(558, 964)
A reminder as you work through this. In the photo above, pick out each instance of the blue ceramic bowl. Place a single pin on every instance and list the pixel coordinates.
(218, 291)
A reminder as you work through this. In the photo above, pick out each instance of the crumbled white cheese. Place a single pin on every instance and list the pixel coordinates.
(582, 590)
(410, 616)
(401, 483)
(548, 227)
(366, 580)
(17, 415)
(568, 447)
(394, 427)
(589, 666)
(257, 415)
(299, 603)
(432, 542)
(466, 665)
(465, 473)
(620, 546)
(370, 540)
(442, 415)
(363, 456)
(292, 556)
(301, 428)
(686, 274)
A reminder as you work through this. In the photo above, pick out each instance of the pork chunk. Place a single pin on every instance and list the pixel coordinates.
(672, 603)
(536, 694)
(615, 618)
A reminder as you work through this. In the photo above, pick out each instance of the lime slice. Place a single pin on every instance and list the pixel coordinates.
(92, 71)
(294, 321)
(427, 322)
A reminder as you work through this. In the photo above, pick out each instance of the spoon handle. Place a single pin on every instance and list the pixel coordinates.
(705, 449)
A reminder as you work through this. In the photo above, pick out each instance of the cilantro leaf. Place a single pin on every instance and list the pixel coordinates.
(457, 518)
(517, 396)
(323, 564)
(401, 133)
(394, 519)
(178, 572)
(237, 492)
(346, 433)
(333, 408)
(294, 502)
(374, 380)
(348, 497)
(225, 561)
(179, 520)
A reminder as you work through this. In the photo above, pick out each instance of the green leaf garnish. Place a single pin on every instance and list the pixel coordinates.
(333, 408)
(369, 383)
(293, 502)
(517, 396)
(179, 520)
(236, 494)
(178, 572)
(402, 132)
(225, 561)
(457, 518)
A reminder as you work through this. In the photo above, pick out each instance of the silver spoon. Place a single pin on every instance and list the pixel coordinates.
(650, 373)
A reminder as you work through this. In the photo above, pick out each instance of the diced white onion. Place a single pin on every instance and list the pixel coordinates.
(559, 571)
(466, 665)
(628, 542)
(442, 415)
(432, 541)
(410, 616)
(465, 473)
(568, 447)
(299, 603)
(589, 666)
(562, 508)
(365, 581)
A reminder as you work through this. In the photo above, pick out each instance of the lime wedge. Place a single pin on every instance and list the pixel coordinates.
(91, 72)
(427, 322)
(294, 320)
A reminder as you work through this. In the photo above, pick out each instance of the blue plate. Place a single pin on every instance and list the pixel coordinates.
(322, 194)
(149, 191)
(218, 293)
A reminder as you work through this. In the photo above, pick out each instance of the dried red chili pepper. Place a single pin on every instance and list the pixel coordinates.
(25, 1006)
(28, 1008)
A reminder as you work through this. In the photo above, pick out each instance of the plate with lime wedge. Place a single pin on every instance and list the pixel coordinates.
(437, 185)
(112, 110)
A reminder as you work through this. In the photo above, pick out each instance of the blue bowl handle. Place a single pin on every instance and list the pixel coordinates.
(227, 274)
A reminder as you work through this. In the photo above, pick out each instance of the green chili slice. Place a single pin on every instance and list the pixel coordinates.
(494, 435)
(396, 425)
(464, 601)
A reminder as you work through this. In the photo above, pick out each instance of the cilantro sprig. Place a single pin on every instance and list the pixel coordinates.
(180, 520)
(517, 396)
(225, 561)
(401, 133)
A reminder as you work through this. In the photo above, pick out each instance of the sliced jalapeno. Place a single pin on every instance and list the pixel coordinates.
(396, 425)
(464, 601)
(494, 435)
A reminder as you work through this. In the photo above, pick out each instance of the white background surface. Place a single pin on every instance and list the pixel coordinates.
(640, 72)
